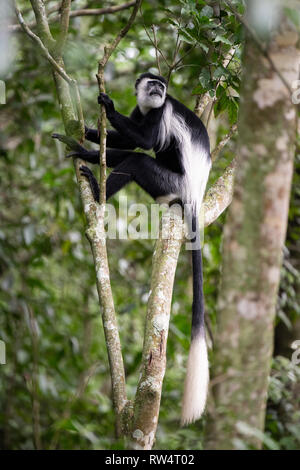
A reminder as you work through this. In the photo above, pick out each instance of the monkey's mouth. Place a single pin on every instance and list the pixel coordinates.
(156, 93)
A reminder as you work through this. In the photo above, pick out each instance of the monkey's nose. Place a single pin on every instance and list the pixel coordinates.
(156, 91)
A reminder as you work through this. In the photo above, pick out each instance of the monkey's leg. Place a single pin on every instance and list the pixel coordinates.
(115, 181)
(85, 171)
(113, 158)
(155, 179)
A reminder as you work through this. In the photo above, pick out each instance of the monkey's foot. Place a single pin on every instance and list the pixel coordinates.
(88, 174)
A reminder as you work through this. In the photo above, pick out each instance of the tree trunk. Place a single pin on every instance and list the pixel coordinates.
(252, 248)
(148, 395)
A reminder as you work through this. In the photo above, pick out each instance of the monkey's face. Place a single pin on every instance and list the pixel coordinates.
(151, 93)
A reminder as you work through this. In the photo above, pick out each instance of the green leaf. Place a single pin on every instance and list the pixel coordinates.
(232, 110)
(204, 47)
(222, 39)
(219, 72)
(204, 78)
(186, 36)
(172, 22)
(221, 105)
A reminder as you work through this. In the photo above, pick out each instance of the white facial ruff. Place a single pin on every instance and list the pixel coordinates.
(145, 101)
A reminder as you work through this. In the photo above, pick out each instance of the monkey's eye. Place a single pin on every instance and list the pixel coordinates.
(155, 83)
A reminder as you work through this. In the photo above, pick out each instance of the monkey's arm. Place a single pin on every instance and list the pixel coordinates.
(144, 135)
(114, 139)
(113, 156)
(91, 156)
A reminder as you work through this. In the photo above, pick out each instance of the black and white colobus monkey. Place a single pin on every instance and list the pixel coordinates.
(179, 171)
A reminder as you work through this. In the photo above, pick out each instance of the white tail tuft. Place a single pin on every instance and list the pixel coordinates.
(196, 381)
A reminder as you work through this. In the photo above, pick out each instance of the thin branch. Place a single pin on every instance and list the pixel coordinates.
(64, 25)
(76, 98)
(43, 48)
(219, 196)
(152, 41)
(156, 48)
(96, 235)
(213, 101)
(183, 57)
(108, 50)
(101, 11)
(223, 142)
(171, 66)
(60, 70)
(176, 50)
(42, 22)
(175, 63)
(76, 13)
(201, 103)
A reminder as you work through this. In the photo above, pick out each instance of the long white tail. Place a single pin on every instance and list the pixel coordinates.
(196, 380)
